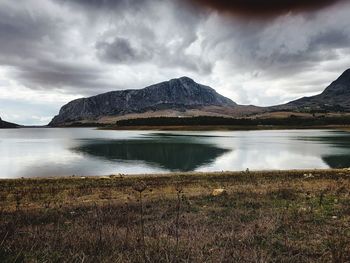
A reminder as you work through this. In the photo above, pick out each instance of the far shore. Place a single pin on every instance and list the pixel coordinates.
(191, 127)
(223, 128)
(190, 175)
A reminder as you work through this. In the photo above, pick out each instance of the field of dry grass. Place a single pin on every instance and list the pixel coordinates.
(286, 216)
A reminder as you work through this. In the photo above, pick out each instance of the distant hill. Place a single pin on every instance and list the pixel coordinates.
(335, 98)
(4, 124)
(176, 97)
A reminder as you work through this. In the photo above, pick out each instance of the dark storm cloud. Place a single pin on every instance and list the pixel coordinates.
(283, 47)
(263, 8)
(54, 75)
(21, 34)
(120, 50)
(160, 39)
(32, 46)
(44, 43)
(104, 3)
(132, 34)
(93, 7)
(333, 38)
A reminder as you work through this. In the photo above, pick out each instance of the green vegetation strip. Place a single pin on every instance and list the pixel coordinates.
(292, 120)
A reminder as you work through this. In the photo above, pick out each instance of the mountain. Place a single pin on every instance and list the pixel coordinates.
(4, 124)
(336, 97)
(186, 98)
(176, 95)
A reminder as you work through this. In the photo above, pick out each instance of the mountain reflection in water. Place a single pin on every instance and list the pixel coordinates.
(174, 156)
(337, 140)
(337, 161)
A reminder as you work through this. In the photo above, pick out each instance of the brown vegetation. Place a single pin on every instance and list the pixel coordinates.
(295, 216)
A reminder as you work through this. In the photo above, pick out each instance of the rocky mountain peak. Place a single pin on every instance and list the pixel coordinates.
(344, 78)
(336, 97)
(185, 79)
(5, 124)
(176, 94)
(339, 87)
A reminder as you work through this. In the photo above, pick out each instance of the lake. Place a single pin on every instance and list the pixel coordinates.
(42, 152)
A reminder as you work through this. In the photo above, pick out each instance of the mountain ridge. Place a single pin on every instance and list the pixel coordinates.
(176, 94)
(7, 125)
(335, 97)
(183, 97)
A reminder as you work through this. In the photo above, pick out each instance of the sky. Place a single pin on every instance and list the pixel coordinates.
(252, 51)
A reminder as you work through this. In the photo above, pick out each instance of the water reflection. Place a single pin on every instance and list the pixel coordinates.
(338, 155)
(85, 151)
(168, 154)
(337, 161)
(339, 139)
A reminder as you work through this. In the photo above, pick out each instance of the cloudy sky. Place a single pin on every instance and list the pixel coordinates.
(53, 51)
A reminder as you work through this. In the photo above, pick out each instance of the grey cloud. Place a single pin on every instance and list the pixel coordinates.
(37, 45)
(335, 38)
(161, 40)
(120, 50)
(283, 47)
(33, 48)
(100, 4)
(69, 76)
(92, 46)
(22, 35)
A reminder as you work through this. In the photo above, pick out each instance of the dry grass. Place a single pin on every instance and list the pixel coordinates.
(295, 216)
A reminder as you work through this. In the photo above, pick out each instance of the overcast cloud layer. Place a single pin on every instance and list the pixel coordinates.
(53, 51)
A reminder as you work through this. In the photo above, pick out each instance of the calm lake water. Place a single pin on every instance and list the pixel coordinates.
(86, 151)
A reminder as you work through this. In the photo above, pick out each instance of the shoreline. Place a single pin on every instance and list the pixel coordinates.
(223, 128)
(184, 175)
(192, 127)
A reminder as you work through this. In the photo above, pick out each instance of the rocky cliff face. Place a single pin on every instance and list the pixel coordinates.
(5, 124)
(176, 94)
(336, 97)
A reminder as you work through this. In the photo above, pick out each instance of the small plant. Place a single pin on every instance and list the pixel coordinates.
(179, 191)
(98, 226)
(47, 204)
(18, 198)
(127, 216)
(321, 198)
(140, 187)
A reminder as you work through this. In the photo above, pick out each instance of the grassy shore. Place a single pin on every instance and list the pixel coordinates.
(279, 216)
